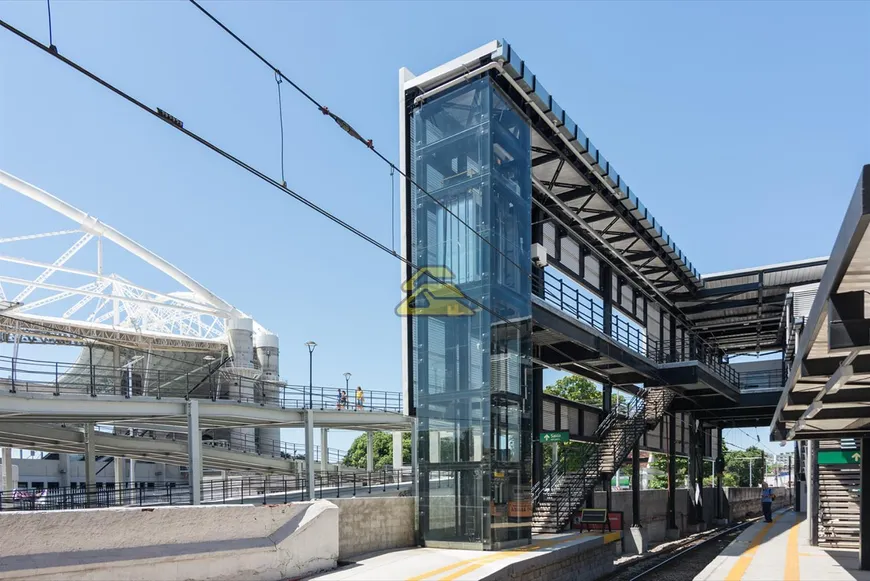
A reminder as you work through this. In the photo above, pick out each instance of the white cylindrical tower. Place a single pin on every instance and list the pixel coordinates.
(241, 371)
(268, 389)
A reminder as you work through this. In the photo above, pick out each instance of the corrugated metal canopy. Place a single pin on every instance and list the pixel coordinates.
(827, 394)
(745, 310)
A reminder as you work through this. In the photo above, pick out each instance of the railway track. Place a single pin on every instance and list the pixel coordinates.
(683, 561)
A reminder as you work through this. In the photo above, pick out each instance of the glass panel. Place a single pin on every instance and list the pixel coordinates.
(472, 374)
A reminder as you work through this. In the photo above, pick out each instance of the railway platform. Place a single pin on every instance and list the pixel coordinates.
(780, 551)
(547, 557)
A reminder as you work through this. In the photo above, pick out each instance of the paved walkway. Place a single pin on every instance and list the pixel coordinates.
(426, 564)
(780, 551)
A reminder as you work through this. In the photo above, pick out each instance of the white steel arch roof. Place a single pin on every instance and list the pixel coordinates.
(105, 306)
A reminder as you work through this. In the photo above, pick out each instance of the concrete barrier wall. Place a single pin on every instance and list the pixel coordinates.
(653, 509)
(746, 502)
(266, 543)
(737, 503)
(366, 525)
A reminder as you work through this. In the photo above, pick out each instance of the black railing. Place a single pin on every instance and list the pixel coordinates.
(30, 376)
(571, 301)
(251, 490)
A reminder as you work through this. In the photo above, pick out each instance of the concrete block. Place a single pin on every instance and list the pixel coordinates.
(636, 541)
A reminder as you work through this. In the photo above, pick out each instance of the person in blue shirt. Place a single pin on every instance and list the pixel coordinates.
(767, 497)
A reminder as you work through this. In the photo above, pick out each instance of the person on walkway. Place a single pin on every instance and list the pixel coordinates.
(343, 399)
(767, 498)
(360, 398)
(338, 400)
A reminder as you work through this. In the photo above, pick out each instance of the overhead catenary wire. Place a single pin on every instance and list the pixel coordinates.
(179, 126)
(353, 133)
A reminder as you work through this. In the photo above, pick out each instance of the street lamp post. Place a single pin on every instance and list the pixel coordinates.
(311, 345)
(347, 381)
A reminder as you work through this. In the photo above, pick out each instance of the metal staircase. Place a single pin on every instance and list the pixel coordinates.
(567, 483)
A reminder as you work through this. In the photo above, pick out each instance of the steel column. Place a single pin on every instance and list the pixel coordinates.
(537, 423)
(607, 297)
(720, 458)
(607, 406)
(119, 472)
(813, 490)
(797, 480)
(672, 472)
(635, 485)
(864, 507)
(194, 452)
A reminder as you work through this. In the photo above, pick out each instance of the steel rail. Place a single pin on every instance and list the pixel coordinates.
(683, 550)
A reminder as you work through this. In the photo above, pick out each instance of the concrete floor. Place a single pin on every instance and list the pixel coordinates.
(423, 564)
(780, 551)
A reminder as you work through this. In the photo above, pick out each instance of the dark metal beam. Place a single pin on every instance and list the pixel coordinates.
(826, 366)
(598, 217)
(829, 413)
(546, 158)
(720, 306)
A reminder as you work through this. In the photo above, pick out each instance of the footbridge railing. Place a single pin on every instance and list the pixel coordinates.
(249, 490)
(571, 301)
(56, 378)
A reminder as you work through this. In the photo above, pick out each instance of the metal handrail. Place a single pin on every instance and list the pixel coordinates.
(565, 490)
(265, 490)
(56, 378)
(571, 301)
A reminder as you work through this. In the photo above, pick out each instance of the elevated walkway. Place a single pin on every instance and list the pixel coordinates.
(572, 332)
(780, 551)
(72, 441)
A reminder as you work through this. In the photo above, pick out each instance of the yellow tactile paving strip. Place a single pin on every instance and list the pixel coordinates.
(460, 568)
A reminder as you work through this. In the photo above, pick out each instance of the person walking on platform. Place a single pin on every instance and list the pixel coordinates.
(360, 398)
(767, 497)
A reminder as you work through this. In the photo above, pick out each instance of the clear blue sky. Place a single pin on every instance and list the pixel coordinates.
(742, 126)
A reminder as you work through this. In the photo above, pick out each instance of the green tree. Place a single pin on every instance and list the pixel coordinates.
(577, 389)
(581, 390)
(382, 448)
(659, 471)
(737, 465)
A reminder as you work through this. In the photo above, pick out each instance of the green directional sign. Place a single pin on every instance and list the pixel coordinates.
(839, 457)
(549, 437)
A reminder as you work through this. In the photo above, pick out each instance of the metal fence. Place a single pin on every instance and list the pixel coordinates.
(571, 301)
(31, 376)
(250, 490)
